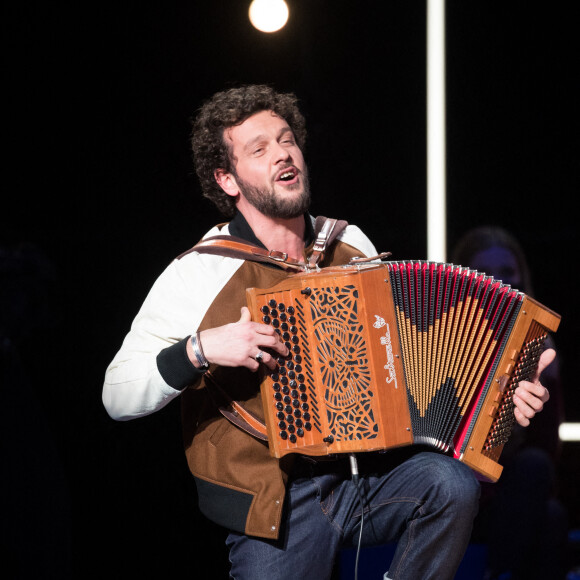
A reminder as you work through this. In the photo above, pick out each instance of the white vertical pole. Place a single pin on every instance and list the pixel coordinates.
(436, 163)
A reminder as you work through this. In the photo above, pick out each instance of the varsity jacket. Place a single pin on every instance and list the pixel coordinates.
(240, 486)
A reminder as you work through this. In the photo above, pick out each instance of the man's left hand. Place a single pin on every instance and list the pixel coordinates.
(530, 396)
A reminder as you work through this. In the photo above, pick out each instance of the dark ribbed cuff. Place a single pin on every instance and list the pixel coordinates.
(175, 367)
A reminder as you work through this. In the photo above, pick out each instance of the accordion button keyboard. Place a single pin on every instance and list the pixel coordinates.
(288, 386)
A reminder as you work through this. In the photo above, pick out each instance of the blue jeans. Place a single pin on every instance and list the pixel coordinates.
(426, 503)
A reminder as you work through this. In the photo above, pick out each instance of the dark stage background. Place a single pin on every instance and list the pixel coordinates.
(100, 195)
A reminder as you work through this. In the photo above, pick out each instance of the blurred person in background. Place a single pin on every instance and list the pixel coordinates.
(520, 519)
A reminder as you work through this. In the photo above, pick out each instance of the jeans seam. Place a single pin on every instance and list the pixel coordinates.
(326, 506)
(410, 537)
(370, 508)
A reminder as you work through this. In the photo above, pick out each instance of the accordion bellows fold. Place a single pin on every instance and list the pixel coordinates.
(398, 353)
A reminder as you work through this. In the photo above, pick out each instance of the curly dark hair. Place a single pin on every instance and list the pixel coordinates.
(227, 109)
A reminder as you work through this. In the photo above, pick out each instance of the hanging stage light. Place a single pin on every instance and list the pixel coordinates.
(268, 15)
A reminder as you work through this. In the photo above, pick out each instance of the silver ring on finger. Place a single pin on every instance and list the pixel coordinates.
(259, 357)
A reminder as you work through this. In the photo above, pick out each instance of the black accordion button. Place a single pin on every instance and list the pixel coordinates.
(292, 438)
(272, 303)
(290, 310)
(283, 435)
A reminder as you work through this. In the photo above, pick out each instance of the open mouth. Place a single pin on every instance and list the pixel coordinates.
(288, 175)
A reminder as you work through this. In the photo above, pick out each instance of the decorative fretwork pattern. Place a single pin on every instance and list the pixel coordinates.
(343, 363)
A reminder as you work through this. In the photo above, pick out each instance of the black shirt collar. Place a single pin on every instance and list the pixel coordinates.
(240, 228)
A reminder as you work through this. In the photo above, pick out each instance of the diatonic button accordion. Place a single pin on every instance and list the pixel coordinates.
(389, 354)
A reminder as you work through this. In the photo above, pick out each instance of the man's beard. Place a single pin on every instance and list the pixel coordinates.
(274, 204)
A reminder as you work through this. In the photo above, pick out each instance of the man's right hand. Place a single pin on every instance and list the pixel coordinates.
(237, 344)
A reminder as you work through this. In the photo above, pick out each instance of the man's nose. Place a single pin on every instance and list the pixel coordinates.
(280, 153)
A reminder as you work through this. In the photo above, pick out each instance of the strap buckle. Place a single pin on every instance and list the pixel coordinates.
(277, 255)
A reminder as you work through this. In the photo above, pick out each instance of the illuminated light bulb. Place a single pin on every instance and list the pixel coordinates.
(268, 15)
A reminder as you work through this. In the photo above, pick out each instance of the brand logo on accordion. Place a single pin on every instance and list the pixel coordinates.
(386, 342)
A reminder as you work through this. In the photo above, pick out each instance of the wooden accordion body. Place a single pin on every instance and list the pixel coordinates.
(397, 353)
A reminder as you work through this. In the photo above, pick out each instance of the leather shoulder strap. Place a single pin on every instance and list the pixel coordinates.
(326, 231)
(234, 411)
(233, 247)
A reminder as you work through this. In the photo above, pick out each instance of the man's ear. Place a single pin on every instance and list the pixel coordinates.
(227, 182)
